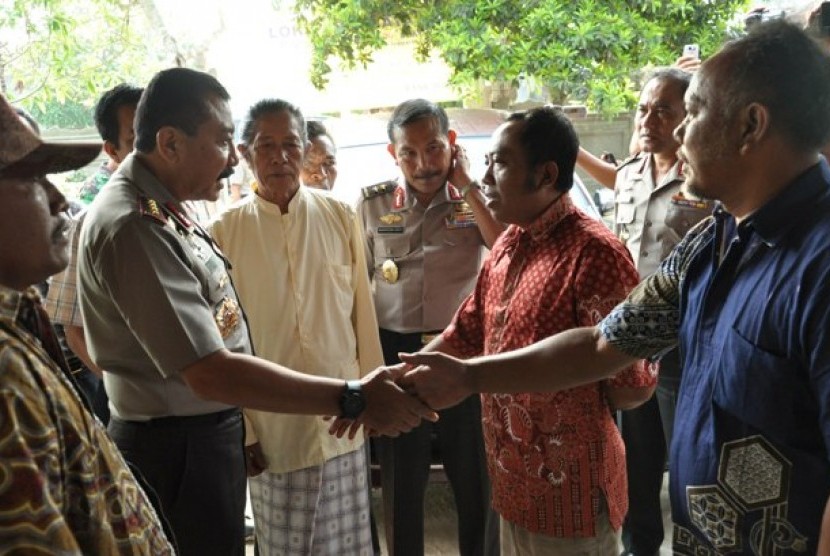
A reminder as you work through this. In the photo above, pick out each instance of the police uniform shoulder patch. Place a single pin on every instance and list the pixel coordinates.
(629, 160)
(379, 189)
(150, 207)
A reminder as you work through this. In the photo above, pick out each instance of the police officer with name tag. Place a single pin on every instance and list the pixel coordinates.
(653, 213)
(425, 235)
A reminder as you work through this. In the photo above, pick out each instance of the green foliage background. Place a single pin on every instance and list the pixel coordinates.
(56, 56)
(580, 50)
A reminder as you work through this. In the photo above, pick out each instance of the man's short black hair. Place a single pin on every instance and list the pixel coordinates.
(548, 135)
(780, 66)
(413, 110)
(176, 97)
(270, 106)
(106, 111)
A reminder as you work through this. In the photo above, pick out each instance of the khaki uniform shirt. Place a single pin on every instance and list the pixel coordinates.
(155, 297)
(651, 218)
(431, 255)
(302, 277)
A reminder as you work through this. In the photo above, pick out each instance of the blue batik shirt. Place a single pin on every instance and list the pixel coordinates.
(749, 305)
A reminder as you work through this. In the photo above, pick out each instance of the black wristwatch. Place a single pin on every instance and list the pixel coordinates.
(352, 402)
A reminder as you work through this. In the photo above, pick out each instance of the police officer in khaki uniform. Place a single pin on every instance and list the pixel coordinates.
(653, 213)
(164, 322)
(425, 236)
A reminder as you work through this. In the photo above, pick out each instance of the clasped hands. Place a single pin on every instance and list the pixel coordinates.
(398, 397)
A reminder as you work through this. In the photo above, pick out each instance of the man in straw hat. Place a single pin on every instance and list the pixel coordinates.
(64, 487)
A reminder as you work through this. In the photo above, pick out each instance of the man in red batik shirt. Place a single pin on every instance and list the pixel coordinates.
(556, 460)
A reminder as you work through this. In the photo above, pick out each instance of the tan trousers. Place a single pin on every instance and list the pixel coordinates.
(518, 541)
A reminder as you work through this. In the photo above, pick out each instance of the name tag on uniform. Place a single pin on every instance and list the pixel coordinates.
(681, 201)
(390, 229)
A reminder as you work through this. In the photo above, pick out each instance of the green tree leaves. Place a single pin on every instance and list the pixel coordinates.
(578, 50)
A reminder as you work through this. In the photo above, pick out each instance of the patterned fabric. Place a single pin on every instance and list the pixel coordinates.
(62, 299)
(552, 457)
(65, 487)
(646, 323)
(92, 186)
(321, 510)
(750, 305)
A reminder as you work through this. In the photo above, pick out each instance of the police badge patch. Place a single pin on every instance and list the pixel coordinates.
(227, 316)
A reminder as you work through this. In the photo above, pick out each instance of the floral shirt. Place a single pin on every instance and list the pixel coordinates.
(65, 488)
(553, 457)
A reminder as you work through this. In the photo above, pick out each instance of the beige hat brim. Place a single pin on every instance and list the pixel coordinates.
(53, 158)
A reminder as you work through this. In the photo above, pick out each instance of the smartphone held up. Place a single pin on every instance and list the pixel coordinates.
(691, 51)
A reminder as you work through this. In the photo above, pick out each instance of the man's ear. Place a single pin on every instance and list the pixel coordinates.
(111, 151)
(549, 174)
(391, 149)
(754, 124)
(452, 136)
(168, 143)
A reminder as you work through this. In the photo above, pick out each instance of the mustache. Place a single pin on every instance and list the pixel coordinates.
(226, 173)
(427, 175)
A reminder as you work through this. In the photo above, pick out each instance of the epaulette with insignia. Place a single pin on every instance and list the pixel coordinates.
(150, 207)
(381, 188)
(629, 160)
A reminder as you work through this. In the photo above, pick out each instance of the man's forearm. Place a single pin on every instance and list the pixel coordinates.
(604, 172)
(441, 345)
(255, 383)
(566, 360)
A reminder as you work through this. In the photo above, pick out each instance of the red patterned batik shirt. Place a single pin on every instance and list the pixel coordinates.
(552, 457)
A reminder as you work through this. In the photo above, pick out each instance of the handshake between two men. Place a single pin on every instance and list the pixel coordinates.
(430, 381)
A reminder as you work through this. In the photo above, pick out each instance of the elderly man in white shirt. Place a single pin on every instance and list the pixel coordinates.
(300, 270)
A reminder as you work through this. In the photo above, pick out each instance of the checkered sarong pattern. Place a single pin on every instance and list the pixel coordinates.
(321, 510)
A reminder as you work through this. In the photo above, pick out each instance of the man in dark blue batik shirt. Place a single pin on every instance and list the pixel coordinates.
(746, 295)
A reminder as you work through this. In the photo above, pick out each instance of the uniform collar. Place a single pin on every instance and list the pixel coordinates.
(674, 174)
(792, 206)
(145, 181)
(405, 199)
